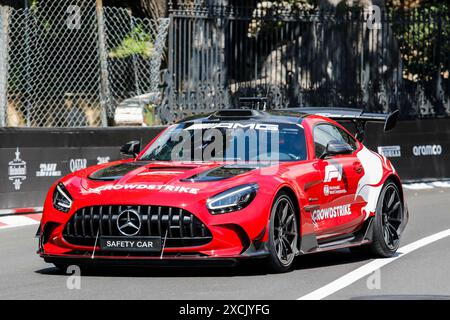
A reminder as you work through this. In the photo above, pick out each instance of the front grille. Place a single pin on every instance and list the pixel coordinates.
(182, 227)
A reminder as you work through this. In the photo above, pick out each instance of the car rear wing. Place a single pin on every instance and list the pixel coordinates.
(357, 116)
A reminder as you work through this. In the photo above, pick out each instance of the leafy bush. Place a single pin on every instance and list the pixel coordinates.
(136, 42)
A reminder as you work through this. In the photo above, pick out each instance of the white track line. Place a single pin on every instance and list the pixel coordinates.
(441, 184)
(418, 186)
(371, 267)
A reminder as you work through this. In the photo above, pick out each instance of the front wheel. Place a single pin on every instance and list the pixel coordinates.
(387, 222)
(283, 234)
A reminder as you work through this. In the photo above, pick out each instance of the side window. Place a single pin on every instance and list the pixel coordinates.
(349, 139)
(324, 133)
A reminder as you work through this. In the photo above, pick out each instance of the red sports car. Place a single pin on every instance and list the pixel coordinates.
(231, 185)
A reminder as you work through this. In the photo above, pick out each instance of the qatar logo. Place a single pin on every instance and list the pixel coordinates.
(17, 170)
(77, 164)
(129, 223)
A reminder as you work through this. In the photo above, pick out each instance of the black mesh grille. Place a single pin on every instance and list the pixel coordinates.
(182, 227)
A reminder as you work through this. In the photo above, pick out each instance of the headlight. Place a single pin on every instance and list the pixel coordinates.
(233, 199)
(62, 200)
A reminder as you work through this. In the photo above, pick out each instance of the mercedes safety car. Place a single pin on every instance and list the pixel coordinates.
(234, 184)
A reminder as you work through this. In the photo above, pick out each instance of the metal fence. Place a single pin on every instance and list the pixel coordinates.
(69, 63)
(306, 56)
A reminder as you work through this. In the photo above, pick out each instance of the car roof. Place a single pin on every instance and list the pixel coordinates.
(245, 115)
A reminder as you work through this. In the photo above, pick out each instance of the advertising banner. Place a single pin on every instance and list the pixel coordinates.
(31, 160)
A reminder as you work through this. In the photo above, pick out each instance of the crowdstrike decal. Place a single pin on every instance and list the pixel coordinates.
(331, 213)
(390, 151)
(17, 170)
(48, 170)
(157, 187)
(427, 150)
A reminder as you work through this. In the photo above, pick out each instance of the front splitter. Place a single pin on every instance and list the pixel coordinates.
(168, 261)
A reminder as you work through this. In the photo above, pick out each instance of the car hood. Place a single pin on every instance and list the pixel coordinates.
(158, 180)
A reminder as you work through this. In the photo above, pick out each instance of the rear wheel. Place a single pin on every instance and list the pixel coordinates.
(387, 222)
(283, 234)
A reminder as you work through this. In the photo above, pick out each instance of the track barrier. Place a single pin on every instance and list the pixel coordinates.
(32, 159)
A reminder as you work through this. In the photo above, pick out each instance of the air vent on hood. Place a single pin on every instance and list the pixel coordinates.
(116, 172)
(170, 168)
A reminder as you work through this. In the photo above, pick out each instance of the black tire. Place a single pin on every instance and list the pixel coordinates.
(388, 219)
(283, 234)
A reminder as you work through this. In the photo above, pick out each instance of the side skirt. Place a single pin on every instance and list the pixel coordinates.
(309, 243)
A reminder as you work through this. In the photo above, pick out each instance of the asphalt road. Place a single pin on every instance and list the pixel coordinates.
(422, 273)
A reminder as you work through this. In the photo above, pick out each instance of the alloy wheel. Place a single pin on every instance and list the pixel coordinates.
(391, 217)
(285, 233)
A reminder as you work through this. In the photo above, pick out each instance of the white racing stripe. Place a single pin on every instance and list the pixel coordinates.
(371, 267)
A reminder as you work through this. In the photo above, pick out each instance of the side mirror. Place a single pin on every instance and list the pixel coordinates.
(131, 148)
(335, 148)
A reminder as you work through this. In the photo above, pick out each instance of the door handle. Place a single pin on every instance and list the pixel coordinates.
(357, 167)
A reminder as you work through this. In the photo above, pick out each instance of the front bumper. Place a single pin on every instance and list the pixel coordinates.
(107, 259)
(239, 235)
(234, 235)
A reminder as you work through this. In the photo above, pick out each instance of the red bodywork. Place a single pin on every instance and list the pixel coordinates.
(238, 234)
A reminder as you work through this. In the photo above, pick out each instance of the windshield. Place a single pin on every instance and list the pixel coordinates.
(233, 141)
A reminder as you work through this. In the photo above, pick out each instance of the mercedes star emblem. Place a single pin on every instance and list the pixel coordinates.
(129, 222)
